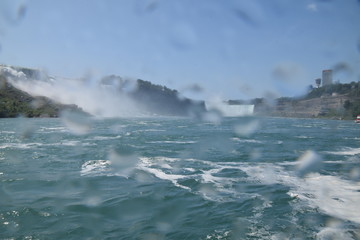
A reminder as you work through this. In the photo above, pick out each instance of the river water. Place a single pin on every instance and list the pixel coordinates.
(179, 178)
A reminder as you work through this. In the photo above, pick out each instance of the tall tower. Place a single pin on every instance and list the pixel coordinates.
(327, 77)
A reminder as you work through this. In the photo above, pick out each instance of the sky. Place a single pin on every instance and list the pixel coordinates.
(235, 49)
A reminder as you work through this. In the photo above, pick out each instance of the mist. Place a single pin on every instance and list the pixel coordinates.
(94, 97)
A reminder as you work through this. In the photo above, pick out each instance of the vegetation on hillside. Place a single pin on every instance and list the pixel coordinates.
(164, 101)
(349, 109)
(15, 103)
(352, 90)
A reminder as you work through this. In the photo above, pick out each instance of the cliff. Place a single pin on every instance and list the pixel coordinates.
(164, 101)
(340, 101)
(14, 103)
(154, 99)
(116, 95)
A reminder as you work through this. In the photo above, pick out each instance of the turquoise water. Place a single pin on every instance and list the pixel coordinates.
(168, 178)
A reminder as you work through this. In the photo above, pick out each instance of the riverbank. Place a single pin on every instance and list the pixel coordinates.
(338, 101)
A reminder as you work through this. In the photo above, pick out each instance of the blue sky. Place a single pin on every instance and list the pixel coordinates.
(231, 49)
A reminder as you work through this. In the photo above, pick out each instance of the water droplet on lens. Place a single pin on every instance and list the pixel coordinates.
(76, 122)
(183, 36)
(247, 128)
(287, 72)
(212, 116)
(355, 173)
(145, 6)
(342, 68)
(123, 161)
(309, 162)
(21, 12)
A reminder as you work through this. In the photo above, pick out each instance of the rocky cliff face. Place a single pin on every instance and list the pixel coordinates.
(316, 107)
(331, 106)
(338, 101)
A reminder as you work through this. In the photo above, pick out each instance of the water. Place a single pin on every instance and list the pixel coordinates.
(167, 178)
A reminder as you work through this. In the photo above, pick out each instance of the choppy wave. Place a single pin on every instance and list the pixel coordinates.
(172, 142)
(20, 145)
(333, 195)
(246, 140)
(179, 183)
(345, 151)
(95, 168)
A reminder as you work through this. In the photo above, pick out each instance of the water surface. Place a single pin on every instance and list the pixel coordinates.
(169, 178)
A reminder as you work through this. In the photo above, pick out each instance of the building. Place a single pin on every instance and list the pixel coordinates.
(327, 77)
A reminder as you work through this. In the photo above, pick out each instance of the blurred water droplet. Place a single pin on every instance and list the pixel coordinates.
(130, 85)
(245, 17)
(342, 68)
(123, 161)
(21, 12)
(5, 198)
(37, 103)
(333, 223)
(92, 201)
(355, 173)
(212, 116)
(246, 89)
(195, 88)
(183, 36)
(77, 123)
(287, 72)
(12, 11)
(255, 155)
(25, 128)
(208, 190)
(241, 228)
(247, 128)
(2, 82)
(153, 236)
(309, 162)
(250, 13)
(143, 177)
(145, 6)
(163, 226)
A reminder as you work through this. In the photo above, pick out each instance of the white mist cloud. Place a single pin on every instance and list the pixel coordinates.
(96, 99)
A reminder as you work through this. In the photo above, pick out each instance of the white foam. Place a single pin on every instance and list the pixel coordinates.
(219, 187)
(304, 137)
(190, 169)
(334, 233)
(345, 151)
(164, 176)
(245, 140)
(70, 143)
(165, 165)
(331, 194)
(52, 129)
(334, 196)
(95, 167)
(173, 142)
(100, 138)
(20, 145)
(7, 132)
(151, 130)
